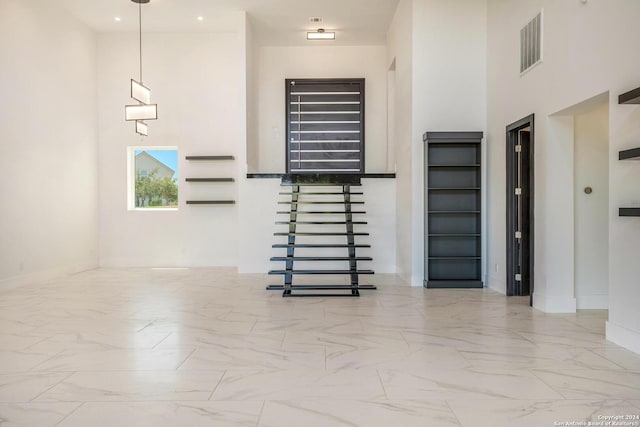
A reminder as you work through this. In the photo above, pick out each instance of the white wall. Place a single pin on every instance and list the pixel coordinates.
(399, 54)
(586, 52)
(258, 225)
(260, 196)
(198, 82)
(449, 87)
(48, 143)
(251, 53)
(591, 169)
(277, 63)
(440, 51)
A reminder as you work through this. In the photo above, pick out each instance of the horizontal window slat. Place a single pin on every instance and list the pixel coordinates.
(328, 131)
(325, 170)
(325, 93)
(323, 160)
(295, 141)
(326, 112)
(316, 122)
(325, 87)
(329, 127)
(313, 108)
(326, 103)
(324, 98)
(323, 156)
(325, 151)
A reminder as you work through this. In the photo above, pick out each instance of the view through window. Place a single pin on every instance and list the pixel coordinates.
(153, 178)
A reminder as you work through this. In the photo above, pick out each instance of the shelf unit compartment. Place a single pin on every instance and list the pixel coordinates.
(454, 177)
(447, 154)
(454, 246)
(466, 269)
(463, 223)
(454, 200)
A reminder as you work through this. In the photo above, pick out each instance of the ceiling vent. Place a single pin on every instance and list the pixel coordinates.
(315, 20)
(531, 43)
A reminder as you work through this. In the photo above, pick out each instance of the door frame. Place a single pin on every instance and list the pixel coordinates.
(512, 137)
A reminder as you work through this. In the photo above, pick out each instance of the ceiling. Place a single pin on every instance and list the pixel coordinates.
(275, 22)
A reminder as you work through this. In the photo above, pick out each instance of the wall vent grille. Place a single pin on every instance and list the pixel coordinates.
(531, 43)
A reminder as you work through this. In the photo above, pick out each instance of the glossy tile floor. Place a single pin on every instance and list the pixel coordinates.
(209, 347)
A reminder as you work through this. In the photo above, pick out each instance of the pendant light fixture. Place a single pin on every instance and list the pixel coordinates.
(321, 34)
(144, 110)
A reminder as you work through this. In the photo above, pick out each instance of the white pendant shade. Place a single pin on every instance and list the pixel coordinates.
(140, 92)
(141, 112)
(142, 128)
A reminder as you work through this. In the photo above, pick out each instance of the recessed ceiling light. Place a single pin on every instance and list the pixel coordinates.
(321, 34)
(200, 18)
(117, 19)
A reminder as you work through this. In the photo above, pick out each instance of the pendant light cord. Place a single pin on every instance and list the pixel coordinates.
(140, 37)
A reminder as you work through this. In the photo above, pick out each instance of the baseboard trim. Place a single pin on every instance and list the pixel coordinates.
(42, 276)
(592, 302)
(623, 337)
(553, 303)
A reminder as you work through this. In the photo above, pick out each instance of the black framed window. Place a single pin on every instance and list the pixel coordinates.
(325, 126)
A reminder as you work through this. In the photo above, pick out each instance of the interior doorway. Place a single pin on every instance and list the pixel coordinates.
(520, 207)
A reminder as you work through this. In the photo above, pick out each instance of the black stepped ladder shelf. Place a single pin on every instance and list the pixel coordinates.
(334, 237)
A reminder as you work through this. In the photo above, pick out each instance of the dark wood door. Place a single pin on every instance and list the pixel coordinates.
(520, 204)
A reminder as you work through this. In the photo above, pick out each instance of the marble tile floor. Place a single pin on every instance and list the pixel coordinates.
(210, 347)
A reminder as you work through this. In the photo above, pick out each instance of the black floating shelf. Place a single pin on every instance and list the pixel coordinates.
(341, 202)
(321, 222)
(319, 193)
(318, 245)
(328, 233)
(211, 202)
(629, 212)
(209, 179)
(454, 235)
(632, 154)
(454, 189)
(321, 258)
(474, 165)
(209, 158)
(631, 97)
(321, 272)
(321, 212)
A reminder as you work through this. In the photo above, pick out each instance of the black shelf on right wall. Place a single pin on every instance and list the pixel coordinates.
(453, 240)
(631, 97)
(629, 212)
(632, 154)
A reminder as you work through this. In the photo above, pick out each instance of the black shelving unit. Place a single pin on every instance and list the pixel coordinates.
(209, 180)
(631, 97)
(453, 202)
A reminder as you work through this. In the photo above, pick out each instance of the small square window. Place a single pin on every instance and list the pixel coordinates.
(153, 178)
